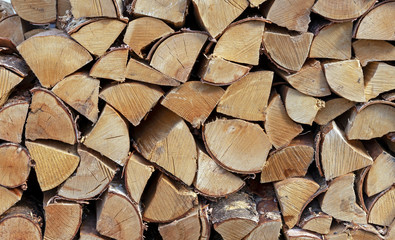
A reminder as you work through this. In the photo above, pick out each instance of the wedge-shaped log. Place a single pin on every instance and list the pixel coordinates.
(167, 200)
(381, 210)
(193, 101)
(241, 41)
(11, 28)
(237, 145)
(14, 164)
(110, 136)
(9, 197)
(373, 50)
(342, 10)
(93, 8)
(12, 117)
(41, 52)
(6, 9)
(174, 58)
(36, 11)
(333, 108)
(112, 65)
(165, 139)
(9, 80)
(88, 228)
(252, 88)
(313, 219)
(378, 79)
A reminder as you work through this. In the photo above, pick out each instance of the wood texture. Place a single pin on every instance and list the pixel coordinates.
(333, 108)
(373, 50)
(8, 198)
(15, 165)
(12, 117)
(340, 10)
(378, 79)
(36, 11)
(112, 65)
(93, 8)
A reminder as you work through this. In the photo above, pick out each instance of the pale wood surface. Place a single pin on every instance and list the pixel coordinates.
(12, 118)
(373, 50)
(36, 11)
(14, 164)
(342, 9)
(112, 65)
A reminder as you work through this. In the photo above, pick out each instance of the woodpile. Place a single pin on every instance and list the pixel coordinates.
(197, 119)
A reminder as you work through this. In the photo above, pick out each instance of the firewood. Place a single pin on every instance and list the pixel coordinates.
(360, 177)
(256, 3)
(278, 125)
(11, 28)
(54, 162)
(389, 141)
(86, 33)
(91, 178)
(346, 79)
(360, 234)
(216, 15)
(110, 136)
(88, 229)
(36, 11)
(15, 165)
(235, 216)
(296, 101)
(340, 155)
(371, 120)
(165, 139)
(310, 79)
(5, 9)
(371, 50)
(93, 8)
(337, 232)
(49, 118)
(117, 216)
(172, 56)
(167, 200)
(297, 17)
(237, 145)
(41, 52)
(391, 231)
(15, 64)
(218, 71)
(9, 197)
(297, 233)
(212, 180)
(333, 41)
(254, 87)
(33, 32)
(241, 41)
(112, 65)
(380, 207)
(81, 92)
(341, 10)
(193, 101)
(9, 80)
(137, 173)
(290, 161)
(374, 24)
(340, 200)
(139, 71)
(333, 108)
(288, 52)
(12, 117)
(313, 219)
(292, 194)
(22, 221)
(378, 79)
(139, 37)
(62, 7)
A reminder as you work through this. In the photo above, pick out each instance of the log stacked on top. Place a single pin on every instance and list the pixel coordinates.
(220, 119)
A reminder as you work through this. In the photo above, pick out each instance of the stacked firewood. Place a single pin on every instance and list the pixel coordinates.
(201, 119)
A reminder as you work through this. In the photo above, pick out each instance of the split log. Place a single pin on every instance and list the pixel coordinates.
(110, 136)
(300, 107)
(237, 145)
(33, 32)
(165, 139)
(371, 120)
(88, 229)
(235, 216)
(290, 161)
(241, 41)
(256, 3)
(193, 101)
(132, 99)
(173, 58)
(15, 64)
(292, 194)
(212, 180)
(389, 140)
(361, 234)
(12, 117)
(288, 52)
(117, 216)
(313, 219)
(49, 118)
(381, 210)
(93, 8)
(112, 65)
(377, 24)
(173, 12)
(341, 10)
(338, 232)
(14, 164)
(310, 79)
(81, 92)
(9, 197)
(86, 33)
(36, 11)
(54, 162)
(252, 88)
(216, 15)
(378, 79)
(371, 50)
(91, 178)
(11, 28)
(391, 231)
(41, 52)
(5, 9)
(167, 200)
(139, 37)
(9, 80)
(340, 200)
(137, 173)
(297, 17)
(297, 233)
(278, 125)
(139, 71)
(359, 185)
(333, 108)
(332, 41)
(340, 155)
